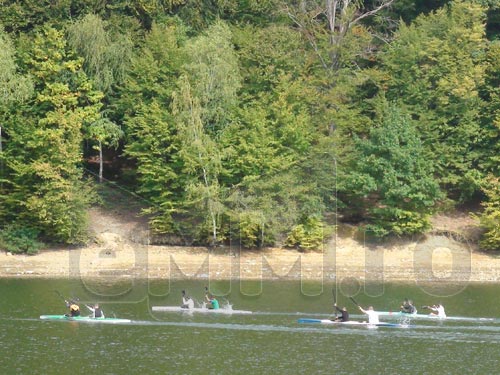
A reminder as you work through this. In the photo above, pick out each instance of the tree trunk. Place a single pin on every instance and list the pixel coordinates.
(100, 162)
(340, 17)
(214, 229)
(211, 210)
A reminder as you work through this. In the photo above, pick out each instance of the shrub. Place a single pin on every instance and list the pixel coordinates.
(490, 218)
(19, 240)
(308, 235)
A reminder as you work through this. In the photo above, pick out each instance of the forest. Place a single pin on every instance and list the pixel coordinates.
(260, 122)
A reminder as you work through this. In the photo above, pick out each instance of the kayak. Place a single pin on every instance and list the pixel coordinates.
(399, 314)
(352, 323)
(199, 310)
(83, 319)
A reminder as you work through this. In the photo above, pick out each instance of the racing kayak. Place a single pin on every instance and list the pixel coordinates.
(83, 319)
(352, 323)
(199, 310)
(399, 314)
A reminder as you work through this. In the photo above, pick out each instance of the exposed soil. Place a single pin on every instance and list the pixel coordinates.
(121, 250)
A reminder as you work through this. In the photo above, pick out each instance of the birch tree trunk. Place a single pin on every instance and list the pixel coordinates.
(101, 166)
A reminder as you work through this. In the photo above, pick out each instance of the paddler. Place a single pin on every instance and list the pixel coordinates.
(438, 310)
(187, 302)
(212, 302)
(344, 317)
(407, 307)
(372, 315)
(96, 311)
(74, 309)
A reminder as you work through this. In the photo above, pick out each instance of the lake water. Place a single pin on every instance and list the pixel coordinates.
(269, 341)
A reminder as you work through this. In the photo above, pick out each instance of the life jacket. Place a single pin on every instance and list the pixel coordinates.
(74, 309)
(98, 312)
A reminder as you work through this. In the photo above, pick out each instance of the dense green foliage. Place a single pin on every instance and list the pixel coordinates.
(490, 220)
(250, 122)
(437, 68)
(391, 179)
(18, 240)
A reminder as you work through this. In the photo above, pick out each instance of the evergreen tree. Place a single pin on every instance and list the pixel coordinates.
(436, 67)
(146, 99)
(391, 182)
(490, 217)
(14, 88)
(45, 150)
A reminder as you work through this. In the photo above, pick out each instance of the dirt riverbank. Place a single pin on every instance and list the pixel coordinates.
(121, 251)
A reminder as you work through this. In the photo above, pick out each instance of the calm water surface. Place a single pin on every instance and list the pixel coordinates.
(270, 341)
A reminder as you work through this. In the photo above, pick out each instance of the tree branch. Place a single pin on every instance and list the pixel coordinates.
(383, 5)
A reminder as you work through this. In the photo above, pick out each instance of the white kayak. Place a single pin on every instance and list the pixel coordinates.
(203, 310)
(352, 323)
(399, 314)
(86, 319)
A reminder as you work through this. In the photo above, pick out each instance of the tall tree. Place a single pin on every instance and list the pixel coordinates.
(391, 181)
(214, 76)
(106, 54)
(145, 101)
(203, 107)
(490, 113)
(436, 66)
(155, 68)
(14, 88)
(331, 26)
(45, 148)
(106, 57)
(106, 133)
(201, 159)
(490, 217)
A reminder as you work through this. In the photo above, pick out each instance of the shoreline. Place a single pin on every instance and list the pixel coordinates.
(437, 259)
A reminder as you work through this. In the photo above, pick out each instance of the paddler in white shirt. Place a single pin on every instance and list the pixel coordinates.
(96, 311)
(438, 310)
(372, 315)
(187, 302)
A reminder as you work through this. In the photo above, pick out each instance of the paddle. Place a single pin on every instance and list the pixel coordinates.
(74, 299)
(354, 301)
(206, 296)
(334, 303)
(60, 295)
